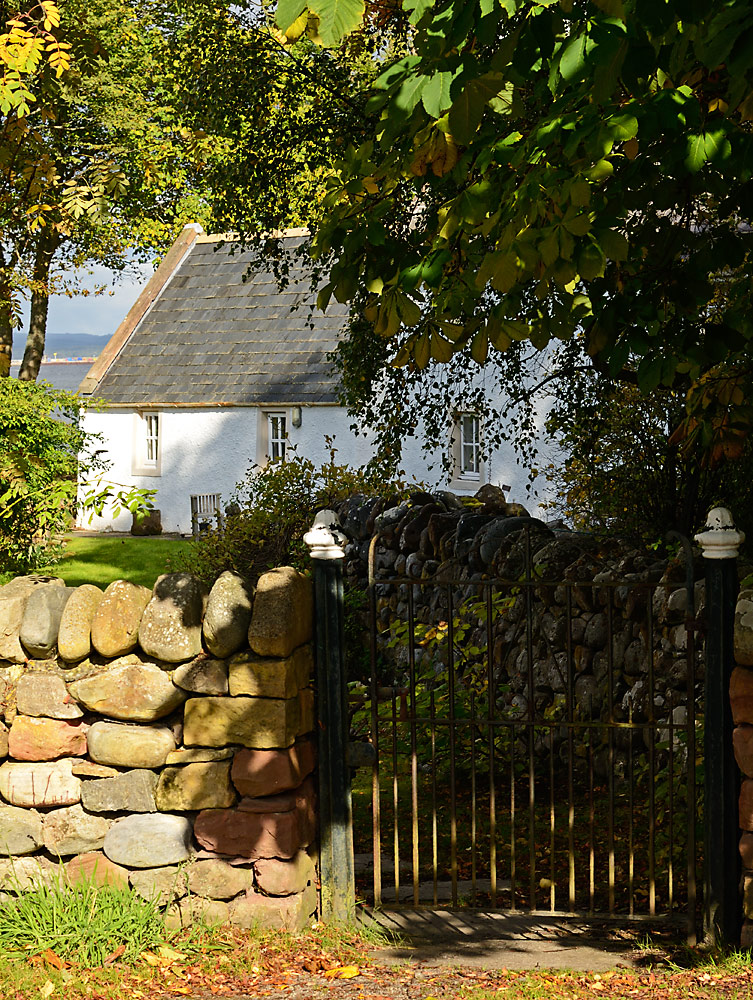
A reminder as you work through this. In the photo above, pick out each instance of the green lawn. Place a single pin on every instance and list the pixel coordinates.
(102, 560)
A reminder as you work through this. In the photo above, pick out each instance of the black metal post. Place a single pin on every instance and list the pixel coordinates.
(335, 809)
(722, 903)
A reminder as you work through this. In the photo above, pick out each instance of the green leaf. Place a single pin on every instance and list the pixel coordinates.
(622, 127)
(337, 18)
(504, 272)
(580, 193)
(422, 350)
(441, 349)
(573, 59)
(614, 244)
(435, 94)
(614, 8)
(591, 262)
(468, 109)
(288, 12)
(600, 170)
(696, 153)
(579, 225)
(480, 347)
(649, 374)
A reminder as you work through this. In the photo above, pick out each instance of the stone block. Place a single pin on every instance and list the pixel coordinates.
(46, 739)
(290, 913)
(97, 869)
(743, 649)
(285, 878)
(170, 627)
(228, 614)
(283, 613)
(72, 831)
(162, 885)
(250, 722)
(271, 678)
(115, 625)
(40, 784)
(13, 599)
(249, 835)
(45, 695)
(746, 936)
(188, 912)
(3, 740)
(216, 879)
(75, 632)
(149, 841)
(195, 786)
(748, 897)
(132, 791)
(742, 740)
(130, 746)
(746, 850)
(741, 695)
(20, 831)
(133, 692)
(42, 614)
(745, 803)
(86, 769)
(203, 675)
(256, 773)
(199, 755)
(27, 873)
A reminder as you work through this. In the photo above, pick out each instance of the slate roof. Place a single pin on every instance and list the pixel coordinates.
(211, 338)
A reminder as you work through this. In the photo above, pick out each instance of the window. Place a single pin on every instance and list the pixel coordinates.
(151, 422)
(277, 436)
(469, 465)
(147, 445)
(468, 471)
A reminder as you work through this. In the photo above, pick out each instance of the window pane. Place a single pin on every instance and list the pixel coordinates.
(470, 457)
(152, 438)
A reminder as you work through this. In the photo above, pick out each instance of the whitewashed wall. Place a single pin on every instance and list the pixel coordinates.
(210, 451)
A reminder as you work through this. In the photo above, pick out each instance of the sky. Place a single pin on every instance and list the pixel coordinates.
(97, 314)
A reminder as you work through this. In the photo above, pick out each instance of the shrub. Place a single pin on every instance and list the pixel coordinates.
(273, 508)
(43, 447)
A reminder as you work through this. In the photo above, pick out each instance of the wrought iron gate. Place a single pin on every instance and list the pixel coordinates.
(537, 742)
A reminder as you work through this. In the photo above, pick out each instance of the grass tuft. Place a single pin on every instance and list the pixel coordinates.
(83, 925)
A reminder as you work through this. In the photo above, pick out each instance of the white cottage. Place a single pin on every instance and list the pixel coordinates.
(215, 369)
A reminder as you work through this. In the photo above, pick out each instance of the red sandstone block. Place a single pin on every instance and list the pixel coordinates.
(248, 834)
(746, 805)
(741, 695)
(46, 739)
(746, 850)
(272, 827)
(97, 868)
(257, 773)
(742, 740)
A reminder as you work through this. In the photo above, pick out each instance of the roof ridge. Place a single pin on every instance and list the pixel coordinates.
(278, 234)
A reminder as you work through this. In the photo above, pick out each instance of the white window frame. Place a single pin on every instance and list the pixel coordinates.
(147, 444)
(468, 464)
(273, 441)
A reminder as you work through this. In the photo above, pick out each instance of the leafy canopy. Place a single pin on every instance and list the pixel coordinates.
(540, 171)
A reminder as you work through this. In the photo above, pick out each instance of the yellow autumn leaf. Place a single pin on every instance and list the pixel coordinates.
(48, 989)
(343, 972)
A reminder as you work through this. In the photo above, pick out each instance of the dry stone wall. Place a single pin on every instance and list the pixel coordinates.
(620, 610)
(162, 739)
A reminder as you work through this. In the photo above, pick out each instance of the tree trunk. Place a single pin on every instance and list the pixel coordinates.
(40, 301)
(6, 325)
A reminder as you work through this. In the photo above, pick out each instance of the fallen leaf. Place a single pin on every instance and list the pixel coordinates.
(115, 955)
(48, 989)
(343, 972)
(52, 959)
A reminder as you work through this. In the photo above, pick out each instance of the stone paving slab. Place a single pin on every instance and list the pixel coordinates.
(498, 940)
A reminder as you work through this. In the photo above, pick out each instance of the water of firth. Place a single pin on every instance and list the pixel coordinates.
(62, 376)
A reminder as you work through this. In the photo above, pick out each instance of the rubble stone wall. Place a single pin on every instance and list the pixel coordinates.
(162, 739)
(623, 609)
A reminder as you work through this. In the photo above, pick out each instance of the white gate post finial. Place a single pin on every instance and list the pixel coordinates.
(720, 539)
(323, 539)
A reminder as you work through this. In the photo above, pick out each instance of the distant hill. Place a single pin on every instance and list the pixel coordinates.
(65, 345)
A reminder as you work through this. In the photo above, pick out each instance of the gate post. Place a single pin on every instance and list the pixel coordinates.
(335, 810)
(719, 543)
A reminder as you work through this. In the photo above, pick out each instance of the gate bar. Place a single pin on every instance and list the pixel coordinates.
(336, 865)
(722, 905)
